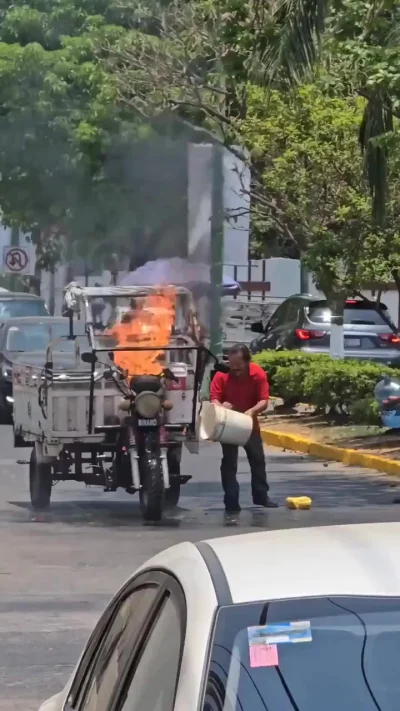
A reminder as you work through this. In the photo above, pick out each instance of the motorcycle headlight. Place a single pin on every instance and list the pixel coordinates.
(6, 371)
(148, 404)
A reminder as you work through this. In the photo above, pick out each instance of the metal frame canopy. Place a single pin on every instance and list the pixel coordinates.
(76, 295)
(98, 292)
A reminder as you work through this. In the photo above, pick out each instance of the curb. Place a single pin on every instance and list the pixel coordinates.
(351, 457)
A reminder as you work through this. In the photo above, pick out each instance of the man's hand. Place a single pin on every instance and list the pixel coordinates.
(227, 405)
(257, 409)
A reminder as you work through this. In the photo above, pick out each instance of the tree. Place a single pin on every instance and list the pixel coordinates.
(362, 37)
(59, 123)
(312, 192)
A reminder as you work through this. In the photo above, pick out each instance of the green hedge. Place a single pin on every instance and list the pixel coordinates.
(295, 364)
(342, 386)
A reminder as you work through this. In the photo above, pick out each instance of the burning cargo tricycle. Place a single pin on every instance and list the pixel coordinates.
(119, 413)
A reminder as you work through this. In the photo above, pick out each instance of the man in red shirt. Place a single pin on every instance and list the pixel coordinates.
(244, 389)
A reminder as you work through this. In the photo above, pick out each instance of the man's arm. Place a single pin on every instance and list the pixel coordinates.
(217, 391)
(263, 395)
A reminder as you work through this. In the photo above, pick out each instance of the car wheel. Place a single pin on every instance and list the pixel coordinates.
(40, 482)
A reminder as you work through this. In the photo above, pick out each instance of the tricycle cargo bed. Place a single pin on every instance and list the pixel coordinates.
(57, 404)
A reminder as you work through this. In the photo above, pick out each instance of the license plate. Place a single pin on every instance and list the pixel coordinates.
(353, 342)
(147, 423)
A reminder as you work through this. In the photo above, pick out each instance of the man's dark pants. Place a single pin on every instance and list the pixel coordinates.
(255, 455)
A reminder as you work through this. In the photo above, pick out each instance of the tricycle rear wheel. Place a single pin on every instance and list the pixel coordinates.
(152, 492)
(174, 456)
(40, 482)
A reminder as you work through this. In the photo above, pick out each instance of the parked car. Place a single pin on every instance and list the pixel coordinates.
(14, 305)
(209, 627)
(303, 322)
(27, 338)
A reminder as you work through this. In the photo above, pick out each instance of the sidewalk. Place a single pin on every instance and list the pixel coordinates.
(371, 449)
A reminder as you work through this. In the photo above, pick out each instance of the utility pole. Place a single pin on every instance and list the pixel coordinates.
(14, 242)
(304, 289)
(217, 251)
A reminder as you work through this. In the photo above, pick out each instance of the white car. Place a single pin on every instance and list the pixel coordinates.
(301, 619)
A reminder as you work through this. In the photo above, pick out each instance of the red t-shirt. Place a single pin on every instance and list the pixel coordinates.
(242, 393)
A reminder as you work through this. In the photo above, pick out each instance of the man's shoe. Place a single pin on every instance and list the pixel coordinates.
(264, 501)
(232, 510)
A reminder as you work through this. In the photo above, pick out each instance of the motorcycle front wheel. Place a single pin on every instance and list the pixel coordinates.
(152, 492)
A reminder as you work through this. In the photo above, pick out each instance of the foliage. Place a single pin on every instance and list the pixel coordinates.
(312, 191)
(365, 412)
(196, 65)
(59, 119)
(274, 361)
(343, 387)
(338, 384)
(359, 40)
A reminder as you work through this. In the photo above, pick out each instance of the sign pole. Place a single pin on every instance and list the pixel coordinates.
(217, 252)
(14, 242)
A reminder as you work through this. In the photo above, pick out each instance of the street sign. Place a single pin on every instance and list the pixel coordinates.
(19, 260)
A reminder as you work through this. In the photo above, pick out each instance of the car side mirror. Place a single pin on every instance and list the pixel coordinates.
(89, 357)
(257, 327)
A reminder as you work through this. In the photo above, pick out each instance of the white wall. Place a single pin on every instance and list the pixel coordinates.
(282, 274)
(236, 204)
(237, 208)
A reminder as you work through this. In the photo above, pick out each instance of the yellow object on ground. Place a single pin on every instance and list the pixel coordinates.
(302, 503)
(351, 457)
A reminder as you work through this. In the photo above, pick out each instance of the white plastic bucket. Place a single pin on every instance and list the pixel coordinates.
(226, 426)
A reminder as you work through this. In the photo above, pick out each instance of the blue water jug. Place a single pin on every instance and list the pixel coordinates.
(387, 394)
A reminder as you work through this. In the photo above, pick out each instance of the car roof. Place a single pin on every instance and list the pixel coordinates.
(19, 295)
(321, 300)
(20, 320)
(361, 559)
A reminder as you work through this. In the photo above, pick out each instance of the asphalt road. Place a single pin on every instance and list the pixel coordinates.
(59, 570)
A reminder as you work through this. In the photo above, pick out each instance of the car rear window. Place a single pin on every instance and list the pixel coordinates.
(15, 308)
(353, 314)
(310, 654)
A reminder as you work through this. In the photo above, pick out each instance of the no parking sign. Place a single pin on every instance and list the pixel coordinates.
(18, 260)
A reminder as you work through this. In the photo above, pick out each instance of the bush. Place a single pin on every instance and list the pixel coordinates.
(288, 382)
(365, 412)
(274, 361)
(338, 384)
(342, 386)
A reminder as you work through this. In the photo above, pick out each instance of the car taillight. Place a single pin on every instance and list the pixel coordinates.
(304, 334)
(389, 337)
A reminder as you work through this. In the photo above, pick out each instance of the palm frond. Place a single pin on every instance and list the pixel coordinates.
(377, 121)
(292, 46)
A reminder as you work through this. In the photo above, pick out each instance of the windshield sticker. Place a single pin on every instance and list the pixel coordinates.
(263, 655)
(282, 633)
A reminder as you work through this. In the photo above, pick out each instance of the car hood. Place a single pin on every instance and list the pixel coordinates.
(62, 361)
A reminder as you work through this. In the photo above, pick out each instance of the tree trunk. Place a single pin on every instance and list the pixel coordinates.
(336, 303)
(396, 277)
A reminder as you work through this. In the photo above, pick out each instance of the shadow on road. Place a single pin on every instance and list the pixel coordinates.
(96, 513)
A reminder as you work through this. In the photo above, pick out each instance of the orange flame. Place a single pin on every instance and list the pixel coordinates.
(148, 326)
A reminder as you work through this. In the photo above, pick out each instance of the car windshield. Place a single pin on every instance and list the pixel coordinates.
(330, 654)
(15, 308)
(37, 336)
(353, 314)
